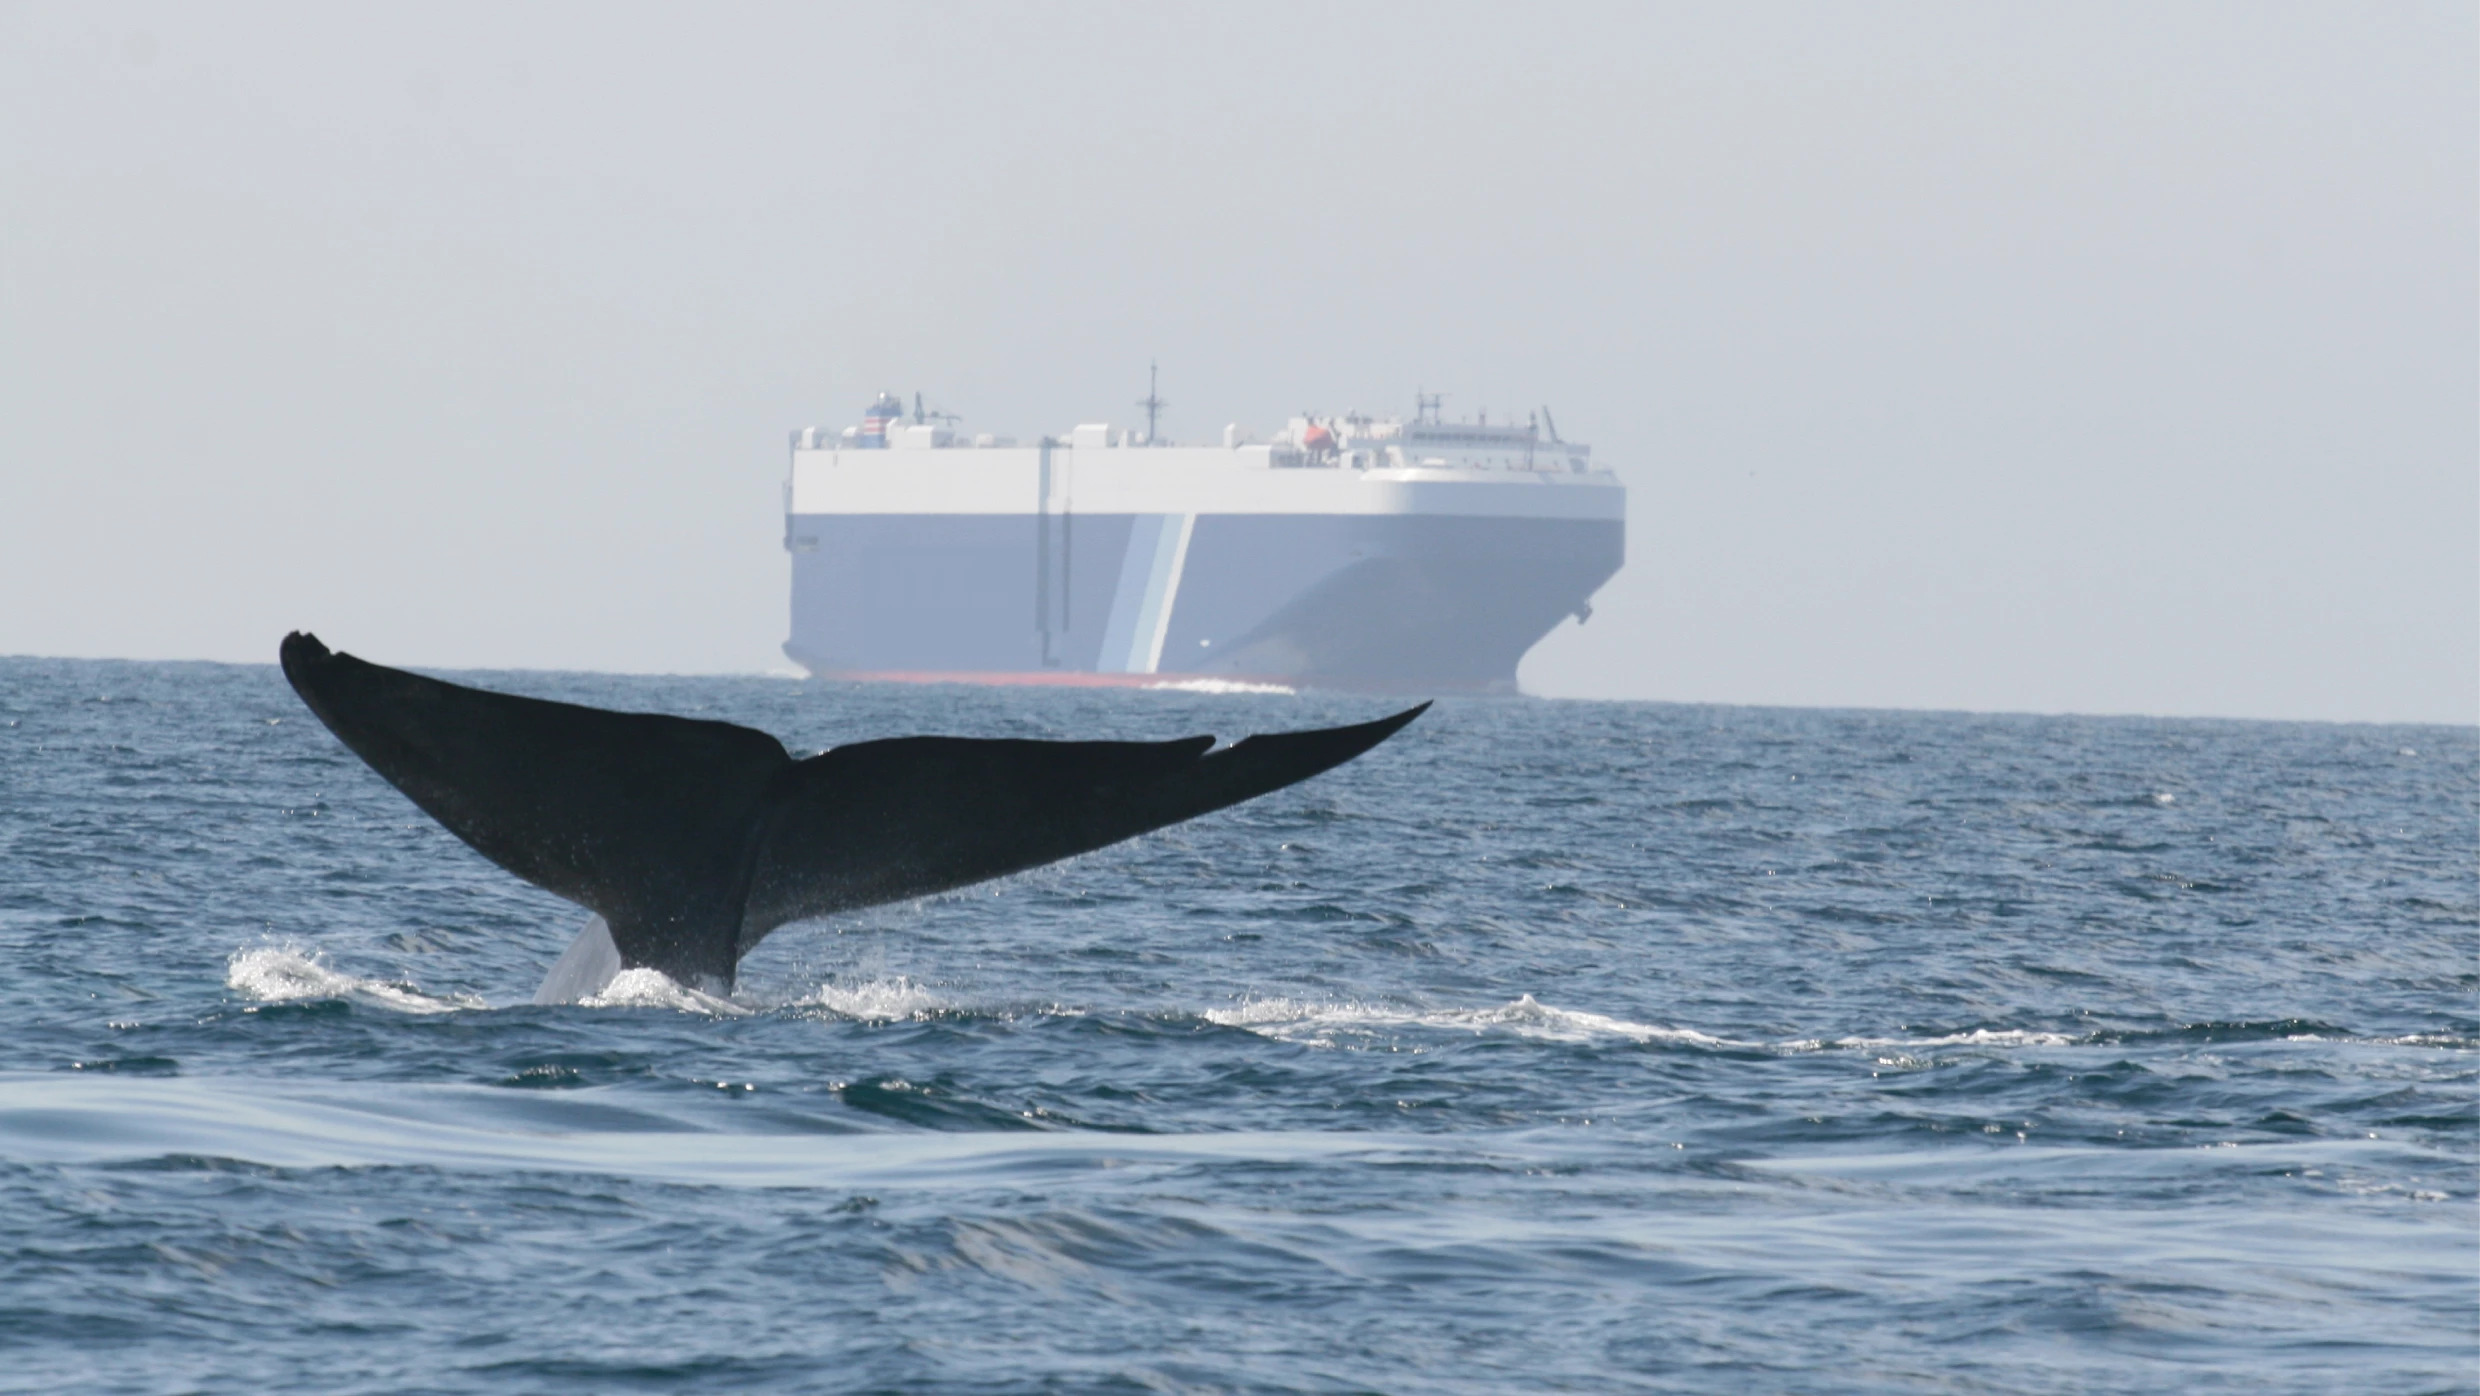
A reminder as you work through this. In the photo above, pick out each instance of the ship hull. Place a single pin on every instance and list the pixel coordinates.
(1358, 601)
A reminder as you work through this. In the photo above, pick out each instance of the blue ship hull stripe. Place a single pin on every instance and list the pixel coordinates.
(1149, 584)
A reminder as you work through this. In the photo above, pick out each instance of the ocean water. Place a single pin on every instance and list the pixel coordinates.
(1550, 1047)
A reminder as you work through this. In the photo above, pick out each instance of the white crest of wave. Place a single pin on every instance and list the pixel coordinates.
(2417, 1039)
(652, 988)
(1296, 1020)
(875, 1001)
(286, 972)
(1217, 686)
(1977, 1037)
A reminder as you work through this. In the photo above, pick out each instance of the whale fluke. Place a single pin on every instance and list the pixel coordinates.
(690, 840)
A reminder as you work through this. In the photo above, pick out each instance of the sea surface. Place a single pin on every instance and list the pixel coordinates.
(1552, 1046)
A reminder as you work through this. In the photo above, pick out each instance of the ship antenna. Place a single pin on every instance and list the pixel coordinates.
(1425, 405)
(1152, 402)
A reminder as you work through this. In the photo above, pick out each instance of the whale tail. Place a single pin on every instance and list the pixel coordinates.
(693, 839)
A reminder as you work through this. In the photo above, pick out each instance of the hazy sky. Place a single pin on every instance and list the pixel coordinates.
(2086, 358)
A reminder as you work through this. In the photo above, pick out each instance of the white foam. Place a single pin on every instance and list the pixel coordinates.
(1217, 686)
(287, 972)
(652, 988)
(1977, 1037)
(1295, 1020)
(1320, 1023)
(2417, 1039)
(875, 1001)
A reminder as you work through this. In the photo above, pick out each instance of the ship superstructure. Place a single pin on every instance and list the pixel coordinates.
(1347, 551)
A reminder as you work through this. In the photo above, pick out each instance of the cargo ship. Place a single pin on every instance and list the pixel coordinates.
(1346, 551)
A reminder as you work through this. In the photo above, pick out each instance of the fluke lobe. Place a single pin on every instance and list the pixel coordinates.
(690, 840)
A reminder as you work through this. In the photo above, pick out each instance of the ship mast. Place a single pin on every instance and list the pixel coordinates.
(1152, 402)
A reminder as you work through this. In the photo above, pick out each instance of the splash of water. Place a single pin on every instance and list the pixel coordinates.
(652, 988)
(283, 973)
(874, 1001)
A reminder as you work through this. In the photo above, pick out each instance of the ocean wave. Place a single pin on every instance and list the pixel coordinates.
(1321, 1022)
(2464, 1041)
(2418, 1039)
(1317, 1023)
(1977, 1037)
(286, 973)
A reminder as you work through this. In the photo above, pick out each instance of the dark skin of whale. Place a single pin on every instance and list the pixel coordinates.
(693, 839)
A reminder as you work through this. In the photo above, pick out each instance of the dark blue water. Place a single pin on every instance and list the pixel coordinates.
(1553, 1047)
